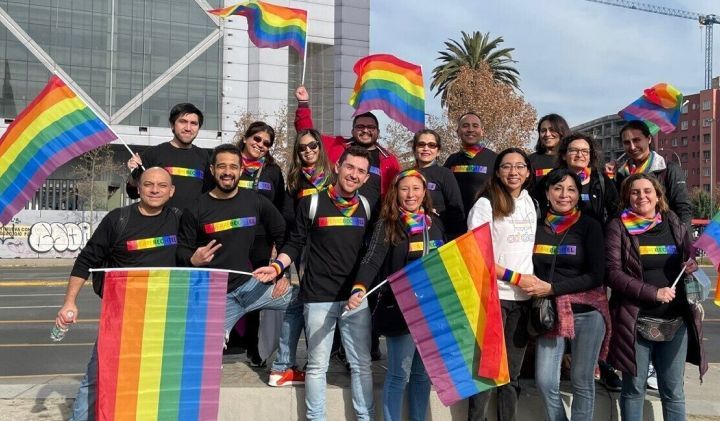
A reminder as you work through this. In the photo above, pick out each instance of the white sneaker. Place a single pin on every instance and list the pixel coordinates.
(652, 378)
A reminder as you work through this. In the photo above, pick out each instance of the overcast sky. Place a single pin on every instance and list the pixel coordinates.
(580, 59)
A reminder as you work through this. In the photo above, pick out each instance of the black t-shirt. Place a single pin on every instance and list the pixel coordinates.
(580, 262)
(371, 188)
(292, 199)
(233, 223)
(542, 164)
(471, 174)
(446, 198)
(661, 261)
(335, 243)
(145, 241)
(189, 168)
(269, 183)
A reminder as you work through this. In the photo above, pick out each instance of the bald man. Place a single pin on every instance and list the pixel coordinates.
(112, 246)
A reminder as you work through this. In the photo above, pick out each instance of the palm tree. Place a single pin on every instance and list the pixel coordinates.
(471, 51)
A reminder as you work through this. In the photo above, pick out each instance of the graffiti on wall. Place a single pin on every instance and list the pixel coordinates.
(43, 234)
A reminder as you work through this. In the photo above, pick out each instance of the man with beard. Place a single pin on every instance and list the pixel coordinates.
(218, 230)
(333, 223)
(473, 165)
(186, 163)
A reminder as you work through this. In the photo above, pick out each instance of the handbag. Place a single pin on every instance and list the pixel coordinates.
(543, 313)
(658, 330)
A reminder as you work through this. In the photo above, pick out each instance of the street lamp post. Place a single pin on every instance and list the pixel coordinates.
(676, 156)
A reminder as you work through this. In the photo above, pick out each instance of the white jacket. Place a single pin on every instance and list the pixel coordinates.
(513, 239)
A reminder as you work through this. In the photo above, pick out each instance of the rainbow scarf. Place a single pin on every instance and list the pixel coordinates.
(414, 222)
(251, 166)
(345, 206)
(472, 150)
(449, 299)
(384, 82)
(560, 223)
(161, 338)
(630, 168)
(636, 224)
(314, 177)
(55, 127)
(584, 174)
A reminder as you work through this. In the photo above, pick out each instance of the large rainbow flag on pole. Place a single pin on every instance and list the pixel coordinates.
(450, 302)
(659, 108)
(709, 241)
(54, 128)
(384, 82)
(271, 26)
(160, 344)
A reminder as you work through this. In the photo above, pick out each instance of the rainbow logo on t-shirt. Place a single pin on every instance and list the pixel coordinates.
(184, 172)
(656, 250)
(374, 170)
(585, 197)
(559, 250)
(229, 224)
(248, 184)
(151, 243)
(479, 169)
(418, 245)
(340, 221)
(542, 172)
(432, 186)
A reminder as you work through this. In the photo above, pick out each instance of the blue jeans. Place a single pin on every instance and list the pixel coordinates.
(292, 327)
(254, 295)
(589, 333)
(405, 367)
(355, 329)
(669, 361)
(86, 399)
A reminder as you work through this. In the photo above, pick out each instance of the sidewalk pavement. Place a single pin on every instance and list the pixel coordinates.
(245, 396)
(5, 263)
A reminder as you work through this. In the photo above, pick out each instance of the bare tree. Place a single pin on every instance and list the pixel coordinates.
(94, 171)
(281, 150)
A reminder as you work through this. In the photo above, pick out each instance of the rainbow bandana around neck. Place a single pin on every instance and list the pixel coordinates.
(636, 224)
(251, 166)
(345, 206)
(314, 177)
(629, 168)
(584, 174)
(560, 223)
(414, 222)
(472, 150)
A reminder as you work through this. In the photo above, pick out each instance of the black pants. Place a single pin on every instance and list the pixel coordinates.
(514, 317)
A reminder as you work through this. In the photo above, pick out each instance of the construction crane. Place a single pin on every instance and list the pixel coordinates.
(705, 20)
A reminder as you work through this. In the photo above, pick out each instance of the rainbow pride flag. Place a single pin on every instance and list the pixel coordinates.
(384, 82)
(271, 26)
(450, 302)
(160, 344)
(709, 241)
(659, 108)
(54, 128)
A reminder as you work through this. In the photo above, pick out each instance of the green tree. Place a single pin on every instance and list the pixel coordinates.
(472, 51)
(703, 208)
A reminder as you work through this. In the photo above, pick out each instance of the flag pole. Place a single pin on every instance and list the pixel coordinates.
(345, 313)
(307, 27)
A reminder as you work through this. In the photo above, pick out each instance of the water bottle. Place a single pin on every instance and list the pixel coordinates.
(58, 333)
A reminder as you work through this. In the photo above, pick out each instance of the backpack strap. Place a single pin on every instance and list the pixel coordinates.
(366, 205)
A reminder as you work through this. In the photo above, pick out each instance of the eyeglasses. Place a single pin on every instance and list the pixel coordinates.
(421, 145)
(576, 151)
(312, 146)
(508, 167)
(365, 127)
(258, 139)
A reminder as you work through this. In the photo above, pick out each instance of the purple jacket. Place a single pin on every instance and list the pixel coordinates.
(624, 276)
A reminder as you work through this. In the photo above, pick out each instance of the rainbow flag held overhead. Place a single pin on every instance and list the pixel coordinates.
(709, 241)
(384, 82)
(54, 128)
(269, 25)
(450, 302)
(160, 344)
(659, 108)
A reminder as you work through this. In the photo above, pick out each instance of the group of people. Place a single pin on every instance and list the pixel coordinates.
(346, 216)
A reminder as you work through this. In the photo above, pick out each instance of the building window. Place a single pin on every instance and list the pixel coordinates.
(685, 172)
(694, 123)
(684, 157)
(707, 122)
(706, 187)
(706, 138)
(706, 105)
(706, 172)
(684, 141)
(685, 109)
(683, 125)
(319, 81)
(674, 142)
(706, 154)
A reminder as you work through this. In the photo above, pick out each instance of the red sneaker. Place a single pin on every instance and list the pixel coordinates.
(288, 377)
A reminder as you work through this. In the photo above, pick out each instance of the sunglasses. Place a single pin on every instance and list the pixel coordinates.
(258, 139)
(312, 146)
(421, 145)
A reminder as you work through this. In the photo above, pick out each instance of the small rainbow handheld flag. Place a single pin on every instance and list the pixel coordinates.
(710, 242)
(269, 25)
(450, 302)
(160, 344)
(659, 108)
(384, 82)
(54, 128)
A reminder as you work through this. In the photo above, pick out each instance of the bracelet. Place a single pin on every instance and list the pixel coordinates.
(511, 277)
(358, 288)
(278, 266)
